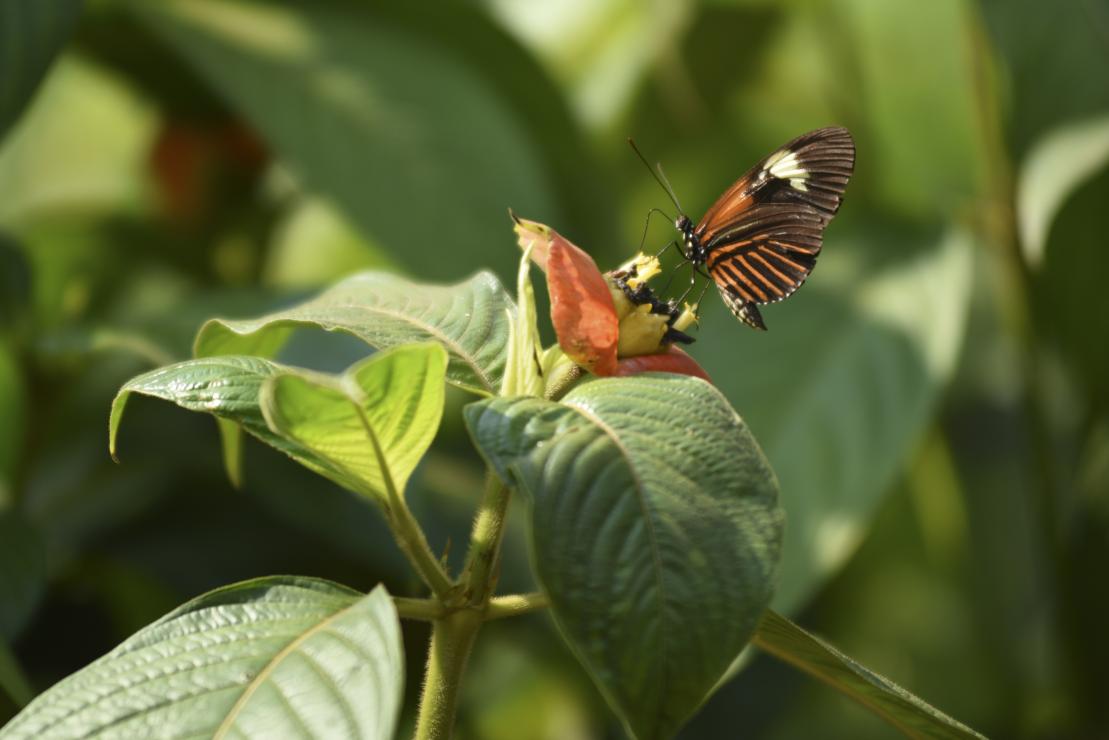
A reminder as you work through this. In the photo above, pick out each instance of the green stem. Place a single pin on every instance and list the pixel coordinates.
(500, 607)
(485, 542)
(412, 542)
(515, 604)
(453, 635)
(451, 641)
(406, 530)
(425, 610)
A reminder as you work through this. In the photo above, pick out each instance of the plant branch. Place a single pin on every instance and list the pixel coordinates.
(452, 638)
(485, 542)
(453, 635)
(515, 604)
(424, 610)
(406, 530)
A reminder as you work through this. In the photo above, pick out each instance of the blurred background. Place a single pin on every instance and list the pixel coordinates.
(935, 400)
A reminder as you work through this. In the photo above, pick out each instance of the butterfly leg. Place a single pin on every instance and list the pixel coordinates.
(647, 225)
(701, 297)
(692, 282)
(673, 272)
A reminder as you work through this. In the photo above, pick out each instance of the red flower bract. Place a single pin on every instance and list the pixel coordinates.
(672, 360)
(583, 311)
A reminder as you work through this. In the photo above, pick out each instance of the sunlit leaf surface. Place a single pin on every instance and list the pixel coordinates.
(1053, 170)
(30, 35)
(321, 421)
(655, 529)
(471, 320)
(273, 657)
(914, 717)
(412, 145)
(842, 387)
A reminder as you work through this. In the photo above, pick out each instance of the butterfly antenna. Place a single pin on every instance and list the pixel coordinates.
(659, 176)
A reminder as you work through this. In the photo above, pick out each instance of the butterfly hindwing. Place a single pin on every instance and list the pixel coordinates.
(761, 238)
(745, 311)
(766, 256)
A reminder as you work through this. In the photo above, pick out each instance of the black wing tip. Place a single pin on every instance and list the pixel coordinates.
(752, 317)
(829, 136)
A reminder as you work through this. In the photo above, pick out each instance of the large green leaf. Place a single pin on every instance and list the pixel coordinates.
(1050, 82)
(313, 417)
(655, 530)
(1055, 167)
(390, 404)
(30, 36)
(471, 320)
(22, 571)
(272, 657)
(914, 717)
(1071, 308)
(843, 385)
(923, 135)
(12, 681)
(81, 147)
(225, 386)
(399, 131)
(12, 421)
(600, 51)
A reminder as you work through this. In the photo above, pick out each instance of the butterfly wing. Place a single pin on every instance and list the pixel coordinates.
(762, 236)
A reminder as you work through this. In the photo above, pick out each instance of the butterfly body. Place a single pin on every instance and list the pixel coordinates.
(760, 239)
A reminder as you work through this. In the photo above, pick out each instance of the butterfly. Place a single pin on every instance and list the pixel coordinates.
(760, 239)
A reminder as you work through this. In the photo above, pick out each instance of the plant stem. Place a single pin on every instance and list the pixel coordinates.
(453, 635)
(500, 607)
(406, 530)
(425, 610)
(412, 542)
(485, 542)
(451, 640)
(515, 604)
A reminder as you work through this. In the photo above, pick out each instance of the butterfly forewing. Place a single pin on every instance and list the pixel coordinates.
(762, 236)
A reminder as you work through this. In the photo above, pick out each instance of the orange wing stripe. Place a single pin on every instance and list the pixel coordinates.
(786, 280)
(732, 277)
(718, 254)
(794, 247)
(762, 278)
(783, 259)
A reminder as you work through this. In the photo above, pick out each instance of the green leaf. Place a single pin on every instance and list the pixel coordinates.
(1050, 83)
(1055, 167)
(272, 657)
(523, 376)
(314, 246)
(312, 417)
(655, 532)
(30, 35)
(1071, 306)
(226, 387)
(470, 319)
(22, 571)
(600, 53)
(842, 387)
(13, 394)
(82, 148)
(367, 110)
(939, 138)
(12, 680)
(374, 425)
(912, 716)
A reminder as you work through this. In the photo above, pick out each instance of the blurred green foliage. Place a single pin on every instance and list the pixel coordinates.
(934, 402)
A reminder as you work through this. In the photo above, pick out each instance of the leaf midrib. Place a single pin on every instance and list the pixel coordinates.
(264, 674)
(329, 325)
(652, 536)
